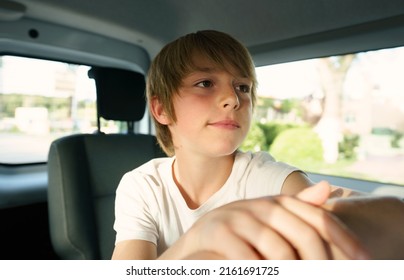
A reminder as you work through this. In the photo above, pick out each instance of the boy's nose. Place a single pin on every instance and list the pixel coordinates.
(231, 100)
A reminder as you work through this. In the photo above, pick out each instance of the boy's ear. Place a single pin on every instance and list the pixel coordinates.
(158, 112)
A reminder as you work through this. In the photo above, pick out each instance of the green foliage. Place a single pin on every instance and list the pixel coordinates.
(347, 147)
(300, 147)
(382, 131)
(288, 104)
(59, 108)
(264, 102)
(262, 135)
(395, 139)
(9, 102)
(280, 105)
(272, 130)
(255, 140)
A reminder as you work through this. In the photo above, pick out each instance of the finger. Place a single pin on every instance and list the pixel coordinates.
(219, 237)
(337, 254)
(327, 225)
(304, 239)
(316, 194)
(265, 240)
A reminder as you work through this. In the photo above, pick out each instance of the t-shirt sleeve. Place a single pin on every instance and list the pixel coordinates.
(133, 204)
(266, 175)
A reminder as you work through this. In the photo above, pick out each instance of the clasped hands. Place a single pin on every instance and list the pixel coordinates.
(276, 227)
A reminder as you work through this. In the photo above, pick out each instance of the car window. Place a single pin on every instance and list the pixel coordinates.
(340, 115)
(41, 100)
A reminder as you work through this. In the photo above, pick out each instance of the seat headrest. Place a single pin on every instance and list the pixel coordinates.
(120, 93)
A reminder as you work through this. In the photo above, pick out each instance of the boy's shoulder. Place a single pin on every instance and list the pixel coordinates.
(155, 172)
(259, 162)
(259, 156)
(154, 165)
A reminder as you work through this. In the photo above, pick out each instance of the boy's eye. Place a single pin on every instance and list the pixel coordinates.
(243, 88)
(204, 84)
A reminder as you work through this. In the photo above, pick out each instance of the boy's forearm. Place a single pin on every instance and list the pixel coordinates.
(378, 222)
(181, 249)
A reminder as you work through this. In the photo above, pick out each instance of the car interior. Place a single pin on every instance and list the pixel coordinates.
(86, 168)
(62, 205)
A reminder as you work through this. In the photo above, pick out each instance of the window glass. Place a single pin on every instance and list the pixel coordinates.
(42, 100)
(341, 115)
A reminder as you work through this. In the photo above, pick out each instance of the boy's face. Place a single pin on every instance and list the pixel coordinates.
(213, 109)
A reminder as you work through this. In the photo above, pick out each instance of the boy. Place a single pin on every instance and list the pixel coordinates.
(208, 198)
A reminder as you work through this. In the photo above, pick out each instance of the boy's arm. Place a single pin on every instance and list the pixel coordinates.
(298, 181)
(277, 227)
(377, 221)
(134, 250)
(287, 228)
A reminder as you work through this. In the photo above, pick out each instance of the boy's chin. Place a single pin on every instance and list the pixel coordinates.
(224, 151)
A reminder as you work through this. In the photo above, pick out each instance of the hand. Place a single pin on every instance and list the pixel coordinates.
(319, 195)
(279, 227)
(377, 221)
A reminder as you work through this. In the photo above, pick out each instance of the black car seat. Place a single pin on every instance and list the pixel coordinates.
(84, 169)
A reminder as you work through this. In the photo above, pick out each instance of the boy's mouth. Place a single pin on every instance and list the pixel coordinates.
(227, 124)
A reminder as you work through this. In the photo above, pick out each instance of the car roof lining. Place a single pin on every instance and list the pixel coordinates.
(152, 24)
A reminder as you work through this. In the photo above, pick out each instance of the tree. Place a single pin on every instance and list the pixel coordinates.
(333, 71)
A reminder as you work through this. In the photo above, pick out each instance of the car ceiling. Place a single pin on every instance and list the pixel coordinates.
(257, 23)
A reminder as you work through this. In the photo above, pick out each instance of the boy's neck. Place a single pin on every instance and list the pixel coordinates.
(199, 178)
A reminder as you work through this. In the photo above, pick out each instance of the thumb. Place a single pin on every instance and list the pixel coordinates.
(316, 194)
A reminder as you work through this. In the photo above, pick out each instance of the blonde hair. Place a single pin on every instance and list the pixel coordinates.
(175, 61)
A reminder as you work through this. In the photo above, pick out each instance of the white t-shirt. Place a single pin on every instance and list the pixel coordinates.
(149, 205)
